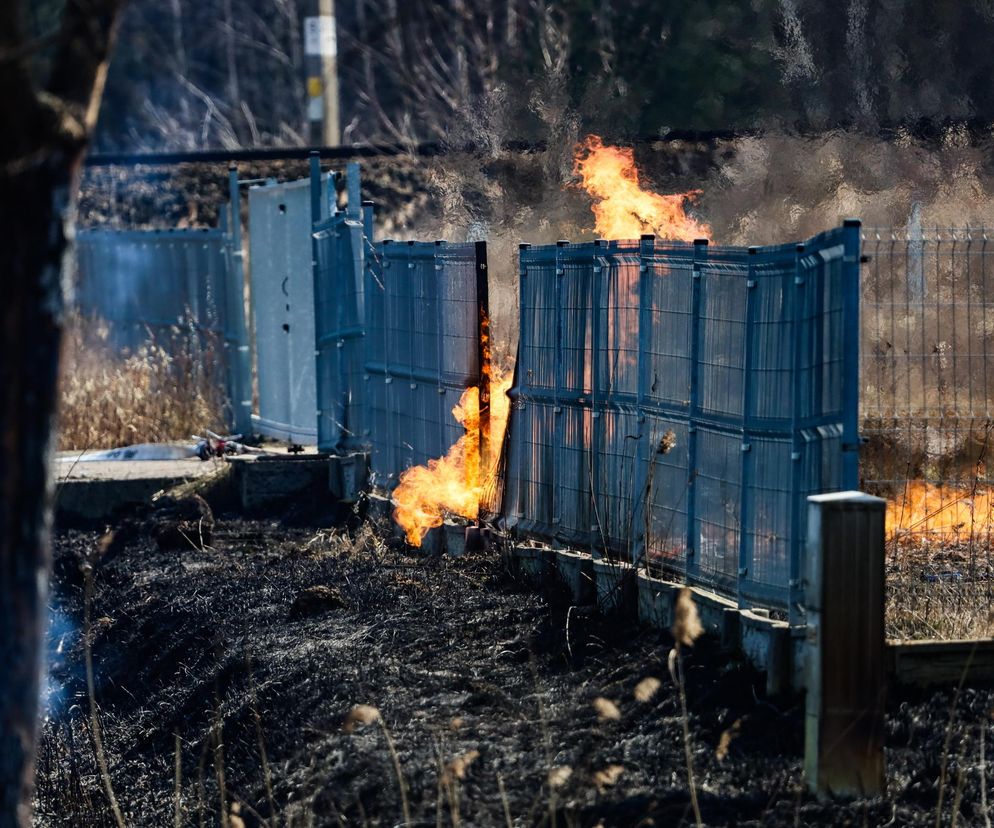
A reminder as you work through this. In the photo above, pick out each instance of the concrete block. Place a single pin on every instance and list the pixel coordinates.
(348, 476)
(798, 653)
(530, 564)
(455, 538)
(576, 571)
(655, 601)
(719, 617)
(433, 543)
(766, 644)
(617, 590)
(266, 481)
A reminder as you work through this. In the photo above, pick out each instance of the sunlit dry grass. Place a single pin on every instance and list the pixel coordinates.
(167, 389)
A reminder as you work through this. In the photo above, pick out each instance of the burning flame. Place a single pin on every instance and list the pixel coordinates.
(940, 511)
(622, 209)
(456, 483)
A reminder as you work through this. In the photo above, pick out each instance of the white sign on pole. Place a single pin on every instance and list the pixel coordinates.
(319, 36)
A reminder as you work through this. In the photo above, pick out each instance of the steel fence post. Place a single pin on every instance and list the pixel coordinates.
(799, 338)
(557, 409)
(240, 366)
(322, 392)
(353, 183)
(850, 350)
(693, 560)
(483, 345)
(641, 507)
(515, 442)
(746, 539)
(597, 347)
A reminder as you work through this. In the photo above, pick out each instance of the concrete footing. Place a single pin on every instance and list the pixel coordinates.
(617, 589)
(265, 481)
(576, 571)
(769, 645)
(455, 538)
(529, 564)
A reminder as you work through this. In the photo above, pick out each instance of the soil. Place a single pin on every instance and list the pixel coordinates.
(249, 656)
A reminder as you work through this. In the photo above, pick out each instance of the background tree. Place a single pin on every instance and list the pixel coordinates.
(53, 61)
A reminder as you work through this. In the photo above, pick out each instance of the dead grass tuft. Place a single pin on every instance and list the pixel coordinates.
(647, 688)
(360, 715)
(606, 777)
(686, 624)
(559, 775)
(166, 389)
(607, 710)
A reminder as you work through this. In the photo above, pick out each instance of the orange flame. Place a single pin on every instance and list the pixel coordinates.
(941, 512)
(456, 483)
(622, 209)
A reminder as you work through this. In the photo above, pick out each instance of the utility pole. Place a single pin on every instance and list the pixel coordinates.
(321, 54)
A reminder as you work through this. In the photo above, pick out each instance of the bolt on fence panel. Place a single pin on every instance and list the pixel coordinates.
(697, 397)
(421, 351)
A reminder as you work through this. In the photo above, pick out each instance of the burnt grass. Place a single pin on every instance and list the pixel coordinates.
(250, 655)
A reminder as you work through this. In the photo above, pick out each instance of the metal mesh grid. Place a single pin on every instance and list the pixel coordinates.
(926, 408)
(339, 311)
(676, 403)
(147, 284)
(421, 350)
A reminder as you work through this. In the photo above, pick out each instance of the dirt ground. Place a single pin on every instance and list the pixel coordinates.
(250, 654)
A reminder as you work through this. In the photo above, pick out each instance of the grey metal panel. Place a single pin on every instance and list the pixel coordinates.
(679, 402)
(282, 291)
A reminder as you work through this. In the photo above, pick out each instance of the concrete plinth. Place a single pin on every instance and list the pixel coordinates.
(89, 491)
(529, 564)
(266, 481)
(576, 571)
(348, 476)
(617, 590)
(655, 599)
(455, 539)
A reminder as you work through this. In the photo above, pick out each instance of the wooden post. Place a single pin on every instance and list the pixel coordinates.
(844, 725)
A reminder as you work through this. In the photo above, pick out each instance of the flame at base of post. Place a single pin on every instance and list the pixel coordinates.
(454, 484)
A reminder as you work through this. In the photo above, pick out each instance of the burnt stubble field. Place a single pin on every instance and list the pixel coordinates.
(227, 680)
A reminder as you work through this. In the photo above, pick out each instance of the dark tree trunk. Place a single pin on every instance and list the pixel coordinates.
(42, 143)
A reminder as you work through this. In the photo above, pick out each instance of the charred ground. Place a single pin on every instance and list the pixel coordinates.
(252, 652)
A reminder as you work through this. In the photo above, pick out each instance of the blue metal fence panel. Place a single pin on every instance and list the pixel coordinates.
(675, 404)
(153, 284)
(421, 330)
(339, 327)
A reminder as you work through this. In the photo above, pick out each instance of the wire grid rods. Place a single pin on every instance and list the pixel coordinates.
(421, 351)
(163, 287)
(674, 404)
(926, 408)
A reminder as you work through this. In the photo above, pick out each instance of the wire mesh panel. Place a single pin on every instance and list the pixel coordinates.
(144, 282)
(676, 403)
(283, 311)
(421, 351)
(340, 324)
(926, 407)
(155, 285)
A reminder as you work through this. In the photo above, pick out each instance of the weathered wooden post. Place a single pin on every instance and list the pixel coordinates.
(844, 722)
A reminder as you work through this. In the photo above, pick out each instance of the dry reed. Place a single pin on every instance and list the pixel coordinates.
(167, 388)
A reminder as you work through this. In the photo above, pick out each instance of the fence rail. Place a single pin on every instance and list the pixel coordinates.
(677, 403)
